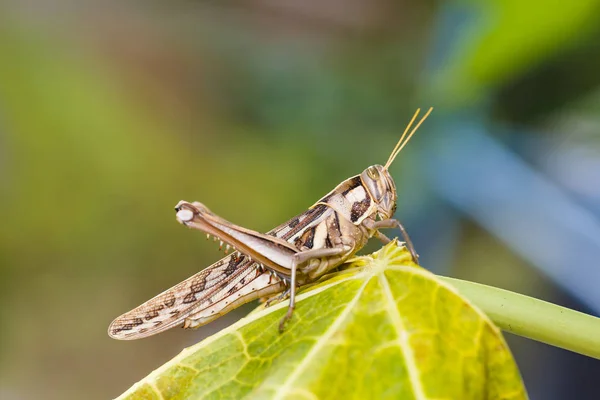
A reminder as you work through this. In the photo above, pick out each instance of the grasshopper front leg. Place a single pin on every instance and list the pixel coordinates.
(393, 223)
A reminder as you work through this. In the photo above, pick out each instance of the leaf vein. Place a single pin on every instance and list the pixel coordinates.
(284, 389)
(402, 335)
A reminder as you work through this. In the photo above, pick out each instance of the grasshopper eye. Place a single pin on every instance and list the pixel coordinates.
(373, 173)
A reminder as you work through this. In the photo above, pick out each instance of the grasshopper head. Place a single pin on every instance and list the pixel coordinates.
(380, 185)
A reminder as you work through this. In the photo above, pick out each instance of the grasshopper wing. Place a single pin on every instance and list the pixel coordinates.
(205, 296)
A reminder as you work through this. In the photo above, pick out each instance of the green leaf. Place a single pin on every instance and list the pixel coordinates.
(504, 38)
(535, 319)
(384, 328)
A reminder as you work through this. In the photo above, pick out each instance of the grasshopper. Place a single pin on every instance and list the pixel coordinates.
(275, 264)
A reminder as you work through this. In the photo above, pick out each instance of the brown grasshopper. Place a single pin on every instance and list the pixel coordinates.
(274, 264)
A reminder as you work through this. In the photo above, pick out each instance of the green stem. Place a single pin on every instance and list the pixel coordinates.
(535, 319)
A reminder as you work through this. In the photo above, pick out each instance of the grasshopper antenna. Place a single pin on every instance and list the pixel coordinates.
(401, 143)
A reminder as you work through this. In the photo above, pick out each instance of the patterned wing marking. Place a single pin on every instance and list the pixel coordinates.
(172, 306)
(237, 294)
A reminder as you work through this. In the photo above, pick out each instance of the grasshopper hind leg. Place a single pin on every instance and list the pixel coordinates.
(292, 306)
(292, 290)
(300, 259)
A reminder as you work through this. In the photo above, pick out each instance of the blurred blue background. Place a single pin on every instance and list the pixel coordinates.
(112, 112)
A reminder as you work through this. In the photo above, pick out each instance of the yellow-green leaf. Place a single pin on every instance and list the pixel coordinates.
(383, 328)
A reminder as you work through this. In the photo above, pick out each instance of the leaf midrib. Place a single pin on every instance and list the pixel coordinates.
(402, 338)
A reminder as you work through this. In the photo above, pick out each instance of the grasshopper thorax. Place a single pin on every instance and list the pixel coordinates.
(381, 187)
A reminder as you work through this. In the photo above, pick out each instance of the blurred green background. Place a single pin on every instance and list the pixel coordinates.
(112, 112)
